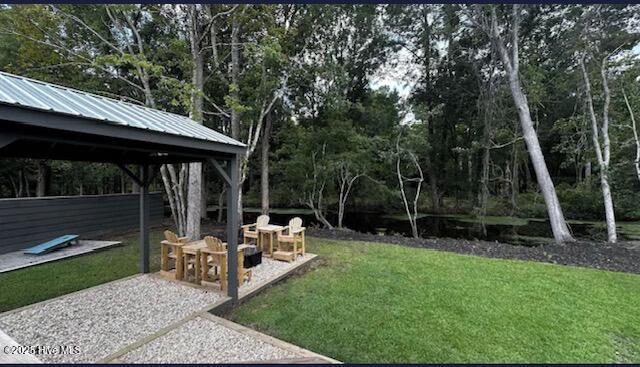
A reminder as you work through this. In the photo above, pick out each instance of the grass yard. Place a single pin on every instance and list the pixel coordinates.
(385, 303)
(37, 283)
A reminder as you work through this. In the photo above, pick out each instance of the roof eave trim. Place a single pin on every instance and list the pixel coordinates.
(48, 120)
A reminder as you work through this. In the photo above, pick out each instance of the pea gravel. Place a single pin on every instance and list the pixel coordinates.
(106, 318)
(203, 341)
(270, 269)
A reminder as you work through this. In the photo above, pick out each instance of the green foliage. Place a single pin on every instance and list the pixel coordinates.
(531, 205)
(318, 63)
(581, 201)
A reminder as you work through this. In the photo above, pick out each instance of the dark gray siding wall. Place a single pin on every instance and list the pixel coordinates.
(29, 221)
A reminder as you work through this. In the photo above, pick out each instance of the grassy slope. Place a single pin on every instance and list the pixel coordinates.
(383, 303)
(37, 283)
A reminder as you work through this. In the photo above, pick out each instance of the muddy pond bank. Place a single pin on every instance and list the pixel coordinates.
(623, 257)
(513, 230)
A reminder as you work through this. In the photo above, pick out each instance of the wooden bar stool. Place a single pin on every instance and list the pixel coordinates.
(291, 241)
(214, 257)
(251, 230)
(171, 251)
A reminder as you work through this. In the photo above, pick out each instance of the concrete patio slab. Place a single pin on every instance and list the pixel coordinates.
(17, 259)
(13, 353)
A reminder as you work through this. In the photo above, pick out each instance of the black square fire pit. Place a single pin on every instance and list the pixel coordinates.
(252, 257)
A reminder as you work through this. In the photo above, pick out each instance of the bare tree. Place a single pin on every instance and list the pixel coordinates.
(346, 179)
(412, 213)
(510, 61)
(603, 151)
(314, 196)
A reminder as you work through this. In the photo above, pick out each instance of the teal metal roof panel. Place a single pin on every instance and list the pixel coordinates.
(34, 94)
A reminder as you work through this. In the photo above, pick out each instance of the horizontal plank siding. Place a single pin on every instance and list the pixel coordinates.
(27, 222)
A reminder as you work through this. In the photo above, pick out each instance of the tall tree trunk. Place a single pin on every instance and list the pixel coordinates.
(123, 183)
(205, 194)
(221, 197)
(264, 174)
(27, 190)
(14, 186)
(20, 189)
(511, 64)
(634, 128)
(194, 189)
(170, 194)
(42, 186)
(603, 154)
(175, 181)
(556, 217)
(431, 168)
(487, 106)
(433, 187)
(587, 173)
(234, 92)
(515, 179)
(235, 74)
(484, 187)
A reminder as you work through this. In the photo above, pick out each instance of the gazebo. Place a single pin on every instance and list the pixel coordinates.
(47, 121)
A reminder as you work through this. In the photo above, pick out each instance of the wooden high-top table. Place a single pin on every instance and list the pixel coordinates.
(192, 250)
(268, 230)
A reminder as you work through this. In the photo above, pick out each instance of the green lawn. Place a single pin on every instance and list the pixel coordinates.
(38, 283)
(385, 303)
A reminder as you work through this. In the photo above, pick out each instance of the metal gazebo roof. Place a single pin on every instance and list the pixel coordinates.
(46, 121)
(27, 103)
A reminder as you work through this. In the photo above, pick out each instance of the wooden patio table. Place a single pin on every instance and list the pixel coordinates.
(268, 230)
(192, 249)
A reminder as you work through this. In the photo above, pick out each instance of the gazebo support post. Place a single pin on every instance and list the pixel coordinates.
(143, 180)
(232, 226)
(144, 218)
(229, 175)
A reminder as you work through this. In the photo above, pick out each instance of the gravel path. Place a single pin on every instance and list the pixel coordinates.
(203, 341)
(103, 319)
(271, 269)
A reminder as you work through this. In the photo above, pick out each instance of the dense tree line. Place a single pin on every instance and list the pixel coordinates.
(513, 110)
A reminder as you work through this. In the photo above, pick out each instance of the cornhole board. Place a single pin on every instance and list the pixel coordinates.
(56, 243)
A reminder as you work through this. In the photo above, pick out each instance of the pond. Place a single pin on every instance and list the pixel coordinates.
(521, 231)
